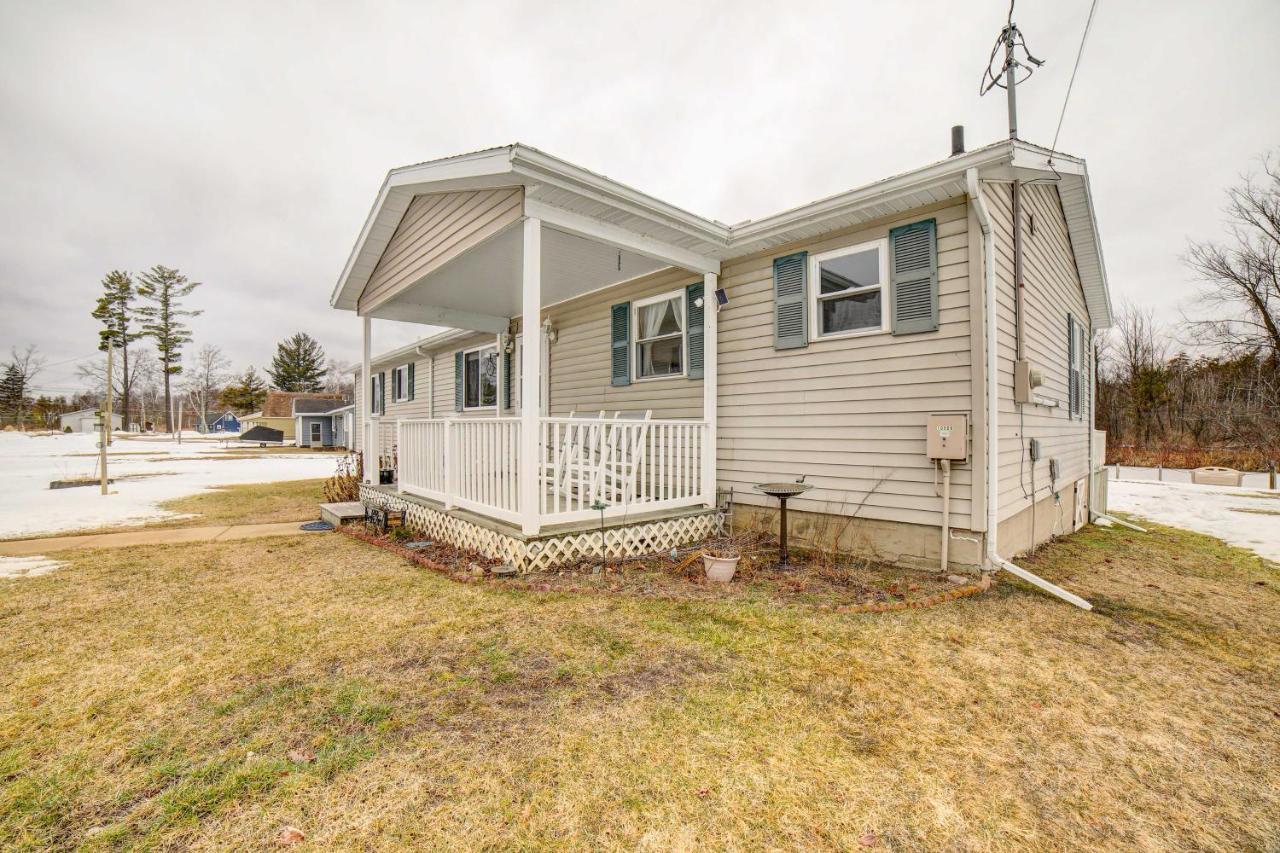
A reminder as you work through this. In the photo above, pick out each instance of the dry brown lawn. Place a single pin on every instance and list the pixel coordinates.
(209, 696)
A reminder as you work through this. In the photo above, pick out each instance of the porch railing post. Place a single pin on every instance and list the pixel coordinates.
(401, 458)
(449, 479)
(710, 386)
(530, 369)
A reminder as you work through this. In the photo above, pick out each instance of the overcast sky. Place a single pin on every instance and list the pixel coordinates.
(244, 142)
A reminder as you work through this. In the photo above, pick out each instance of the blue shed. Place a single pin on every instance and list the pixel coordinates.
(227, 423)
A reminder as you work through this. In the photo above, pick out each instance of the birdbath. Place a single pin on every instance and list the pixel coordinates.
(782, 491)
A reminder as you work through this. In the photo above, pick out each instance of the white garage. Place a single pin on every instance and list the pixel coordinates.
(86, 420)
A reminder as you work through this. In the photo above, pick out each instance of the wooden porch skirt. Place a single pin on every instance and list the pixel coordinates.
(555, 546)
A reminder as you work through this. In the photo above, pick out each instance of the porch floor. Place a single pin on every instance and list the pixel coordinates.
(549, 531)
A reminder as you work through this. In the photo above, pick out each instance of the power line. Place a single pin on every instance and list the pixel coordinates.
(1079, 53)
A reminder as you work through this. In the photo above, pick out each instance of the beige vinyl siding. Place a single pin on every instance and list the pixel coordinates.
(420, 405)
(435, 229)
(848, 413)
(580, 359)
(1052, 291)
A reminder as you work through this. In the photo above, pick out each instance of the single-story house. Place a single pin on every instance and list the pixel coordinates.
(321, 423)
(87, 420)
(918, 350)
(226, 422)
(277, 411)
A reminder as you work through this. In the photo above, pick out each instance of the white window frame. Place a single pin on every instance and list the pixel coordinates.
(815, 285)
(316, 432)
(498, 393)
(400, 384)
(635, 340)
(375, 378)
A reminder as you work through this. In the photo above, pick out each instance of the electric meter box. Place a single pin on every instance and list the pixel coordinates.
(948, 437)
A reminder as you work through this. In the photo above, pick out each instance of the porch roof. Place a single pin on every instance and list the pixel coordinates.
(649, 234)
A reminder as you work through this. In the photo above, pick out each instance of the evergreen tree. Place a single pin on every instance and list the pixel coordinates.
(298, 365)
(12, 392)
(162, 288)
(115, 311)
(246, 394)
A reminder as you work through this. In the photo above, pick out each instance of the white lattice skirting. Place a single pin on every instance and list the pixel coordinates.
(552, 549)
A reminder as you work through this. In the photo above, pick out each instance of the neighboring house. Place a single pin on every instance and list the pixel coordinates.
(228, 422)
(818, 342)
(86, 420)
(322, 423)
(277, 411)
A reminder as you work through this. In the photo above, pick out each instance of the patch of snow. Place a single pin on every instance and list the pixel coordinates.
(28, 463)
(27, 567)
(1238, 516)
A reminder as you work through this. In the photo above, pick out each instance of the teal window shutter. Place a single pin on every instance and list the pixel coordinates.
(694, 327)
(506, 378)
(1073, 371)
(620, 352)
(913, 277)
(457, 381)
(411, 383)
(791, 301)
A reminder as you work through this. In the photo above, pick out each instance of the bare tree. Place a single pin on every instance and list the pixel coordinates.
(125, 381)
(1241, 290)
(204, 381)
(338, 378)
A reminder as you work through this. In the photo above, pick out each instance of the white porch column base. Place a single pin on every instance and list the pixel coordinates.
(710, 384)
(368, 442)
(530, 371)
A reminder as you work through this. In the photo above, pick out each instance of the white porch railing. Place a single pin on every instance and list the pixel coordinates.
(630, 465)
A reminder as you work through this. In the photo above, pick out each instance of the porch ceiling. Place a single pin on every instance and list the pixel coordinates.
(481, 289)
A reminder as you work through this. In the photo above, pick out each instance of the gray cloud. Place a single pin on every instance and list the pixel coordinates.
(243, 143)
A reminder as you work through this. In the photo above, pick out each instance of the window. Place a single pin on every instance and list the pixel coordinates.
(1077, 366)
(400, 384)
(657, 327)
(377, 400)
(315, 432)
(480, 378)
(850, 296)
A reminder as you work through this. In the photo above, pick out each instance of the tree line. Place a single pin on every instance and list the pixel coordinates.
(1161, 404)
(145, 323)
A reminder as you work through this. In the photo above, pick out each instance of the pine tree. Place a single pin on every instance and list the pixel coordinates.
(246, 394)
(163, 287)
(298, 364)
(115, 311)
(12, 391)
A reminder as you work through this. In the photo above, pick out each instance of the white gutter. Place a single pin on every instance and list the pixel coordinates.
(994, 560)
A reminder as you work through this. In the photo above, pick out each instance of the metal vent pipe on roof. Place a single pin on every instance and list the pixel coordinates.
(957, 139)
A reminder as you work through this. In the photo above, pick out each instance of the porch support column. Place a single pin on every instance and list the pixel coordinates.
(365, 411)
(710, 383)
(530, 370)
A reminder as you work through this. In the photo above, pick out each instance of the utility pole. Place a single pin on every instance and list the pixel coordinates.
(110, 381)
(1011, 84)
(106, 426)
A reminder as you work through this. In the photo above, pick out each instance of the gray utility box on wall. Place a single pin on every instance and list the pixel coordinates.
(947, 437)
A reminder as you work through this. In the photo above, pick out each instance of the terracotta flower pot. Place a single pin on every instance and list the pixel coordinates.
(720, 569)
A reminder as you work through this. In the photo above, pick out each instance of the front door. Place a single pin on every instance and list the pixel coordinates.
(315, 432)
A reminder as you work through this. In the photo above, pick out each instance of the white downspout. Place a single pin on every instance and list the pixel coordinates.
(994, 560)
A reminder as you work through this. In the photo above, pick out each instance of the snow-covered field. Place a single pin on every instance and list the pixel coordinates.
(28, 463)
(1248, 517)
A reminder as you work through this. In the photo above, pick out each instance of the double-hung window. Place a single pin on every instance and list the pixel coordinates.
(400, 383)
(850, 297)
(480, 378)
(658, 330)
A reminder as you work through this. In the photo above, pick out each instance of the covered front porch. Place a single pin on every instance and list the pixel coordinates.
(523, 250)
